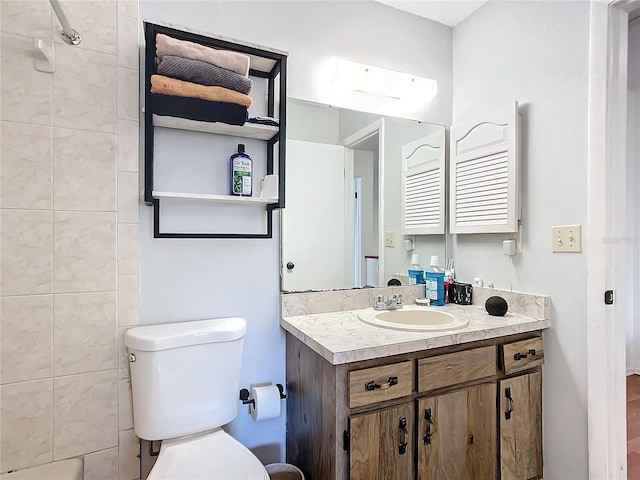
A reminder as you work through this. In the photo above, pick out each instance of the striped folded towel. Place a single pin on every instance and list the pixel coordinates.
(203, 73)
(172, 86)
(234, 61)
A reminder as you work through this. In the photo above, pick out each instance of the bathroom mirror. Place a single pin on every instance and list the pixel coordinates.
(343, 226)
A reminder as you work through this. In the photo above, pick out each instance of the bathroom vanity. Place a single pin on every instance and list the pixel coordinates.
(372, 403)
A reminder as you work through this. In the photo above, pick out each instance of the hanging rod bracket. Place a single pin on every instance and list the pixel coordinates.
(74, 39)
(69, 35)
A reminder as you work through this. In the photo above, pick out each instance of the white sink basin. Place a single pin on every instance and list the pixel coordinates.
(413, 318)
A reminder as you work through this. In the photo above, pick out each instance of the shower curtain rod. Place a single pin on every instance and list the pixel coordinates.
(68, 34)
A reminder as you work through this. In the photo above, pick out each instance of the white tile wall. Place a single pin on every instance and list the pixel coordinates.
(25, 424)
(127, 94)
(128, 55)
(102, 465)
(22, 18)
(85, 413)
(125, 405)
(68, 189)
(128, 197)
(26, 93)
(128, 450)
(84, 252)
(26, 251)
(128, 249)
(84, 89)
(123, 355)
(128, 300)
(128, 160)
(26, 169)
(84, 170)
(26, 340)
(83, 333)
(128, 7)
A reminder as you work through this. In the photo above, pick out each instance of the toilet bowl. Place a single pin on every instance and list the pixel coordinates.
(211, 455)
(185, 381)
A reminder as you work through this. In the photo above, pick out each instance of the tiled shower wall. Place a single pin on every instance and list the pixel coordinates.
(69, 237)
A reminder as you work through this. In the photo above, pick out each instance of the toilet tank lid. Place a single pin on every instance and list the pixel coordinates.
(153, 338)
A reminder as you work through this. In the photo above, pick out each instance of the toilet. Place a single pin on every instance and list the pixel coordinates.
(185, 381)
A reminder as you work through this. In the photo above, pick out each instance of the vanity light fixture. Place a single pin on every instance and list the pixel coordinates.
(360, 77)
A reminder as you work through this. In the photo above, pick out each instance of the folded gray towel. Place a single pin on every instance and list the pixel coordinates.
(203, 73)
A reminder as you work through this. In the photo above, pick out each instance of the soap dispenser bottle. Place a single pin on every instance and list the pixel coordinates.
(241, 170)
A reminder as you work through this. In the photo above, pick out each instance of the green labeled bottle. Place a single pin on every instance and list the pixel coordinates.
(241, 169)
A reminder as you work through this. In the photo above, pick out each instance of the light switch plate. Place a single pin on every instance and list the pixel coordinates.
(389, 240)
(567, 238)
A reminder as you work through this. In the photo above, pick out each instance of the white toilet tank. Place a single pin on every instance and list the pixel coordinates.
(185, 377)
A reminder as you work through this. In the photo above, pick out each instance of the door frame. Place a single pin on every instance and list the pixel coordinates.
(352, 142)
(357, 232)
(606, 234)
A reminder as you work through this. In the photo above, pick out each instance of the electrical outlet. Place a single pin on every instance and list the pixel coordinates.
(567, 238)
(389, 240)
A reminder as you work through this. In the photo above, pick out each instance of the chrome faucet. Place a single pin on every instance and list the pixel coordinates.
(393, 302)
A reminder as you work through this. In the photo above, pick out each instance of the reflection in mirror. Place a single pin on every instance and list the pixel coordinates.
(345, 224)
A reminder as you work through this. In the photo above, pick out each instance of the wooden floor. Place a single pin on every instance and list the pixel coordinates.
(633, 427)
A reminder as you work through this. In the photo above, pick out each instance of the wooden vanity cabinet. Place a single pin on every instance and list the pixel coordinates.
(433, 415)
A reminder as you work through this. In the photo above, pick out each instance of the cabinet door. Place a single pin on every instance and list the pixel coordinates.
(382, 444)
(521, 427)
(484, 192)
(457, 435)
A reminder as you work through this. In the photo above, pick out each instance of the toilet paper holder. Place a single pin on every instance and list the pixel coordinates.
(244, 395)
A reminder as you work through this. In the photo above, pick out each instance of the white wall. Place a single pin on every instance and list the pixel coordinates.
(312, 123)
(537, 53)
(633, 200)
(190, 279)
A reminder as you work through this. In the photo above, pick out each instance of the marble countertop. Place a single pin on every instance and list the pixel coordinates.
(341, 337)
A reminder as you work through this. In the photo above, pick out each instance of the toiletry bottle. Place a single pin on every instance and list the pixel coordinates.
(434, 280)
(449, 280)
(241, 169)
(416, 272)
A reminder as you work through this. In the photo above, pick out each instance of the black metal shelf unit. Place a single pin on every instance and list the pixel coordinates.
(265, 64)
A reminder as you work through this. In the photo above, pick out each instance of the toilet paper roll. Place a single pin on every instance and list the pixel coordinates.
(266, 402)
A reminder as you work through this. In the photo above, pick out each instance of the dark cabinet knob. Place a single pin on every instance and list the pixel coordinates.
(290, 266)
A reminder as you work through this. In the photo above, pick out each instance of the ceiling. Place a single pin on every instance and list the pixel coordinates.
(449, 12)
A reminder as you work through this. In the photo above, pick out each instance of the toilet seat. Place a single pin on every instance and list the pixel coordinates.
(209, 456)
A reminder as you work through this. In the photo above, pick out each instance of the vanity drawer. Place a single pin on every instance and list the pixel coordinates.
(377, 384)
(522, 355)
(454, 368)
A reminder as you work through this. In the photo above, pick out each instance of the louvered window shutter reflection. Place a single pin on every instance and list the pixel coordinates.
(423, 185)
(485, 175)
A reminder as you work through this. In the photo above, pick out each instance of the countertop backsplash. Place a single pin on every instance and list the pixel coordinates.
(307, 303)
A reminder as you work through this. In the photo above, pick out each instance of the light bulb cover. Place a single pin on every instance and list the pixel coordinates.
(361, 77)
